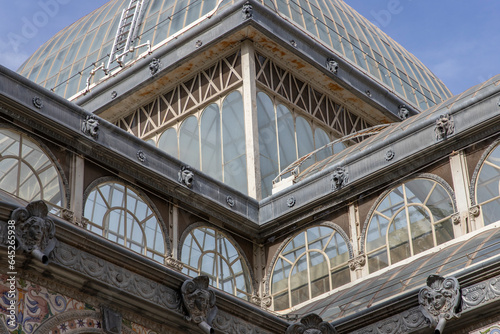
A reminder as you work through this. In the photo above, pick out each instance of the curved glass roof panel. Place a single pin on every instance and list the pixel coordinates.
(64, 63)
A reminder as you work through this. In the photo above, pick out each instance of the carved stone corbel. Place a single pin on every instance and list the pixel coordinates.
(111, 321)
(311, 324)
(332, 65)
(445, 126)
(199, 301)
(173, 263)
(358, 262)
(340, 178)
(474, 212)
(440, 300)
(35, 232)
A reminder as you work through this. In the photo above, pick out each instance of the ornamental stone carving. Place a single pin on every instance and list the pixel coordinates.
(90, 126)
(173, 263)
(445, 126)
(403, 112)
(340, 178)
(311, 324)
(186, 176)
(358, 262)
(247, 10)
(111, 321)
(440, 300)
(154, 66)
(35, 232)
(332, 65)
(199, 301)
(37, 102)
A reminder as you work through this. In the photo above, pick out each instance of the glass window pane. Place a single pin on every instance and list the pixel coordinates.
(267, 143)
(233, 132)
(211, 142)
(305, 141)
(189, 142)
(168, 142)
(286, 137)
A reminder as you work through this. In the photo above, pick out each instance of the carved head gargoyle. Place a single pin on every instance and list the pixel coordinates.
(440, 300)
(199, 301)
(444, 126)
(340, 177)
(311, 324)
(90, 126)
(186, 176)
(35, 232)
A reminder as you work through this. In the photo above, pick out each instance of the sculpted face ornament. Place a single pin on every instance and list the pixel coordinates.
(247, 10)
(186, 176)
(199, 301)
(440, 300)
(90, 126)
(311, 324)
(444, 126)
(340, 178)
(154, 66)
(403, 112)
(332, 65)
(35, 232)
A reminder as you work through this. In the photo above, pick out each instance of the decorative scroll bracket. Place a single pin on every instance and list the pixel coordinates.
(311, 324)
(440, 300)
(199, 302)
(35, 232)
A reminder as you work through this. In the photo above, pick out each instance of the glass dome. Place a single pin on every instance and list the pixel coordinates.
(64, 63)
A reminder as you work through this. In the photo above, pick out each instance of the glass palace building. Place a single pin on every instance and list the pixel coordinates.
(202, 166)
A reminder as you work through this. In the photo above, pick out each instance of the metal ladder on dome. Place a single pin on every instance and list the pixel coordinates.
(125, 32)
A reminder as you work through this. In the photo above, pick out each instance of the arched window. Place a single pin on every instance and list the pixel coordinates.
(409, 219)
(122, 215)
(311, 263)
(487, 192)
(206, 251)
(27, 172)
(168, 142)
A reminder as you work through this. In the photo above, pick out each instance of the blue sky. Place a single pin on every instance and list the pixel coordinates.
(458, 40)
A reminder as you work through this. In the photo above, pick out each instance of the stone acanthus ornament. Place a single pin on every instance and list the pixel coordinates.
(332, 65)
(111, 321)
(186, 176)
(247, 10)
(199, 302)
(37, 102)
(35, 232)
(173, 263)
(154, 66)
(340, 178)
(358, 262)
(311, 324)
(440, 300)
(90, 126)
(444, 126)
(403, 112)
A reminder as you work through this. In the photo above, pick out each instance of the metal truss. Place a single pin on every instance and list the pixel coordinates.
(306, 98)
(185, 97)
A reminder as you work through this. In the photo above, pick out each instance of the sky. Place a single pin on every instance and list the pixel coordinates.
(458, 40)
